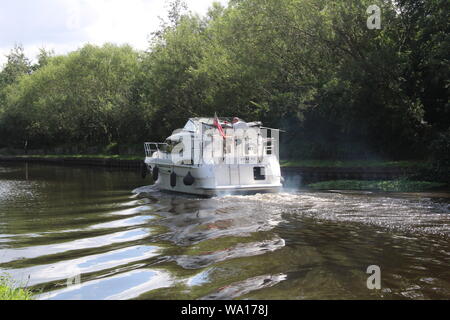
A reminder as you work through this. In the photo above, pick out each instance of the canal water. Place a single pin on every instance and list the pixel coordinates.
(89, 233)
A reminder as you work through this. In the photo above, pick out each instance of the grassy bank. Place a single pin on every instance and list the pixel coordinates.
(353, 164)
(85, 156)
(387, 186)
(284, 163)
(8, 291)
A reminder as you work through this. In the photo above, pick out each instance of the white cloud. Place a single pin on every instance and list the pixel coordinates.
(65, 25)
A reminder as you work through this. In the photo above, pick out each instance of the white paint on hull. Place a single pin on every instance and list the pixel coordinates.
(217, 179)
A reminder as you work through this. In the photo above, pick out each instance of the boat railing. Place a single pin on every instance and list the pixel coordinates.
(152, 147)
(266, 146)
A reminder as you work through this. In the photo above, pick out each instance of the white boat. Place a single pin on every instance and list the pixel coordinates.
(212, 156)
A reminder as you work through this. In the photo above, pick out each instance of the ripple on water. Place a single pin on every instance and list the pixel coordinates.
(63, 270)
(18, 191)
(238, 289)
(238, 251)
(9, 255)
(124, 286)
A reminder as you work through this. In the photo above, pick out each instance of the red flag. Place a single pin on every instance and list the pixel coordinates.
(219, 127)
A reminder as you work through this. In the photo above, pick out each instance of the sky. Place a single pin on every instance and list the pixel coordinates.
(66, 25)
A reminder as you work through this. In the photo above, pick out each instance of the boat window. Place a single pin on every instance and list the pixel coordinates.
(163, 147)
(259, 173)
(169, 146)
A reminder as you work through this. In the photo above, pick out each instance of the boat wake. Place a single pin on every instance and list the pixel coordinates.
(408, 213)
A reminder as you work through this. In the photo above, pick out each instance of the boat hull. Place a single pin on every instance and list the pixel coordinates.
(208, 193)
(215, 180)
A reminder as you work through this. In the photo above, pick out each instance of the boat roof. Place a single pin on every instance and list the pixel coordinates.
(224, 120)
(227, 122)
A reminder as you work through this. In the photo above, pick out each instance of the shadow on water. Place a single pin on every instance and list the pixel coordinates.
(77, 233)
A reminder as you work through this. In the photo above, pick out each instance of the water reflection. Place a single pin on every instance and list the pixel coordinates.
(235, 290)
(30, 252)
(89, 264)
(64, 222)
(241, 250)
(119, 287)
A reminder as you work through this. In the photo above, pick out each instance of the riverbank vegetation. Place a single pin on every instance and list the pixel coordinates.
(8, 290)
(342, 91)
(354, 164)
(284, 163)
(82, 156)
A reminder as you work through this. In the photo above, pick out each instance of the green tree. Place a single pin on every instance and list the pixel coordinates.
(43, 58)
(17, 65)
(312, 67)
(78, 99)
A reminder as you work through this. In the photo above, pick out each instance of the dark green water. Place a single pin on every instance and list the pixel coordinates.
(125, 241)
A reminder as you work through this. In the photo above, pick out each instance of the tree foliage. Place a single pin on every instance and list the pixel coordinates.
(82, 98)
(312, 67)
